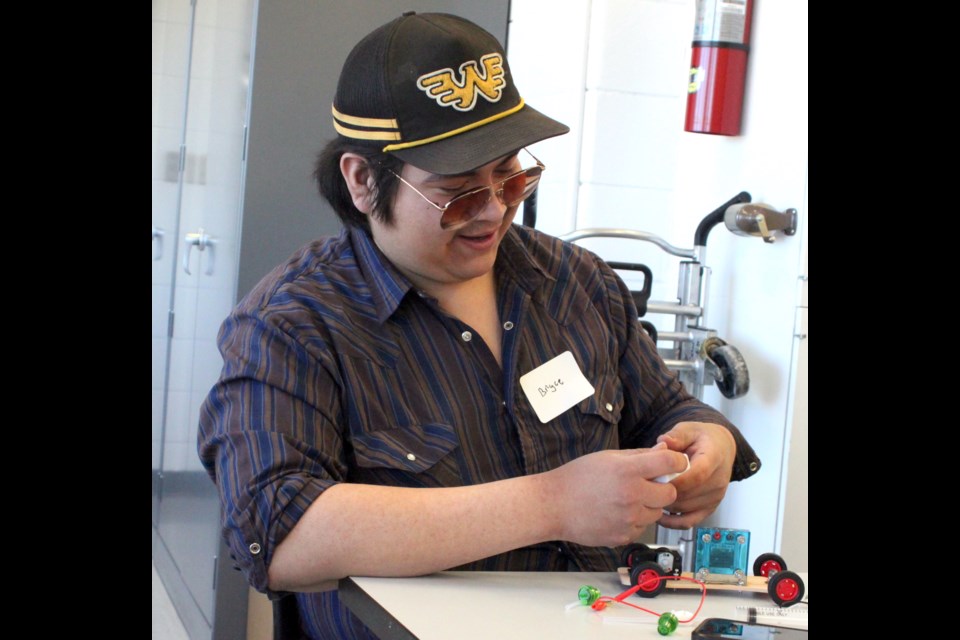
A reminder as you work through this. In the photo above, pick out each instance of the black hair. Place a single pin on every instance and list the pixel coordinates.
(333, 187)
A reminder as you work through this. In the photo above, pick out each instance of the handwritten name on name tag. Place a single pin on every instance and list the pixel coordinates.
(555, 386)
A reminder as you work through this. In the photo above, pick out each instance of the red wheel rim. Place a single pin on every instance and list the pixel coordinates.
(787, 589)
(648, 575)
(768, 566)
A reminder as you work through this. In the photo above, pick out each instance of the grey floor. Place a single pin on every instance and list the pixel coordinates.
(166, 622)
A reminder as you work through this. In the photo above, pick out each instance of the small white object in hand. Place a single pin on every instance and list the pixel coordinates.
(670, 476)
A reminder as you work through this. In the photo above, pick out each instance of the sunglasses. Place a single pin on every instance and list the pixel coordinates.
(466, 206)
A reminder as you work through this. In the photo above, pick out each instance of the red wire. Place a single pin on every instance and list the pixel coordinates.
(651, 581)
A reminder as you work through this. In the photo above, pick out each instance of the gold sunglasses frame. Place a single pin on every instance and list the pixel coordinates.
(495, 189)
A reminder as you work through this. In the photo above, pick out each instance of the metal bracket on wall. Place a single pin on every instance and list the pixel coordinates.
(757, 219)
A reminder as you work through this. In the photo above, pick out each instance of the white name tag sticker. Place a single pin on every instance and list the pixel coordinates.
(555, 386)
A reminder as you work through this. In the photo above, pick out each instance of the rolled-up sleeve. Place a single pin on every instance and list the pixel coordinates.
(268, 433)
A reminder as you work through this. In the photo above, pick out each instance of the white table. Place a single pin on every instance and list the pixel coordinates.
(475, 605)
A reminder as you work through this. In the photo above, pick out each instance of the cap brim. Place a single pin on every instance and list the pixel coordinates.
(467, 151)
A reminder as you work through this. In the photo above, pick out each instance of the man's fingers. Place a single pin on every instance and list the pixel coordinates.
(686, 520)
(661, 462)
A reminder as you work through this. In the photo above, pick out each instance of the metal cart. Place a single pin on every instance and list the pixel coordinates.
(698, 354)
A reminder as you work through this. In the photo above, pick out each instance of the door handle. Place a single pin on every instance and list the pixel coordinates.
(158, 236)
(201, 241)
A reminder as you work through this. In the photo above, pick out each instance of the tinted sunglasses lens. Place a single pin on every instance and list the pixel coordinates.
(465, 207)
(520, 186)
(468, 206)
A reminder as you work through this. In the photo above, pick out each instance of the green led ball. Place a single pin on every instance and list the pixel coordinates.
(667, 624)
(588, 595)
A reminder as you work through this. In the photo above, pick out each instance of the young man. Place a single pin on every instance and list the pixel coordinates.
(437, 387)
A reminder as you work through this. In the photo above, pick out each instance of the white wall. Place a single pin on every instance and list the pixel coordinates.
(616, 71)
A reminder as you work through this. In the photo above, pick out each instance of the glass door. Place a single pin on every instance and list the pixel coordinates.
(172, 39)
(202, 52)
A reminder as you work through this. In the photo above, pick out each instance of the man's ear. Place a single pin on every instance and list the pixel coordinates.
(356, 172)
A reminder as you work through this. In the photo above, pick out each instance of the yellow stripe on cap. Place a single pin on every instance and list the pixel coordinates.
(373, 123)
(366, 135)
(448, 134)
(388, 127)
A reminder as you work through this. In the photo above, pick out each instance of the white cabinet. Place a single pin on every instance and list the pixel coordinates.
(200, 73)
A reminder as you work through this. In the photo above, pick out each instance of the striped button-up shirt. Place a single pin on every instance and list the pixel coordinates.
(336, 369)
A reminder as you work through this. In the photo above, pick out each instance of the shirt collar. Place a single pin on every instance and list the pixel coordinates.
(388, 286)
(519, 257)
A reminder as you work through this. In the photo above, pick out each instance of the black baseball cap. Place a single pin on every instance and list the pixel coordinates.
(435, 90)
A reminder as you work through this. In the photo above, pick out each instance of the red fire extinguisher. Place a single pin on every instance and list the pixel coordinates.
(718, 66)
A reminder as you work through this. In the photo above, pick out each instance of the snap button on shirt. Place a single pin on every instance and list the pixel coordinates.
(467, 336)
(255, 548)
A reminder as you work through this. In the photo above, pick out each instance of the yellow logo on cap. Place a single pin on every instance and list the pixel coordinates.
(445, 88)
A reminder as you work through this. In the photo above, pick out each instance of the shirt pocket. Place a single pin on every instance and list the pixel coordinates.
(600, 414)
(414, 455)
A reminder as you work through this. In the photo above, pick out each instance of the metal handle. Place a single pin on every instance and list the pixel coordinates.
(757, 219)
(158, 236)
(201, 241)
(603, 232)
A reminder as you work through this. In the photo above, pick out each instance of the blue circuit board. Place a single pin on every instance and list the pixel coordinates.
(722, 551)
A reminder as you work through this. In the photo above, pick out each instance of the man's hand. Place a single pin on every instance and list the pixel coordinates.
(712, 450)
(608, 498)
